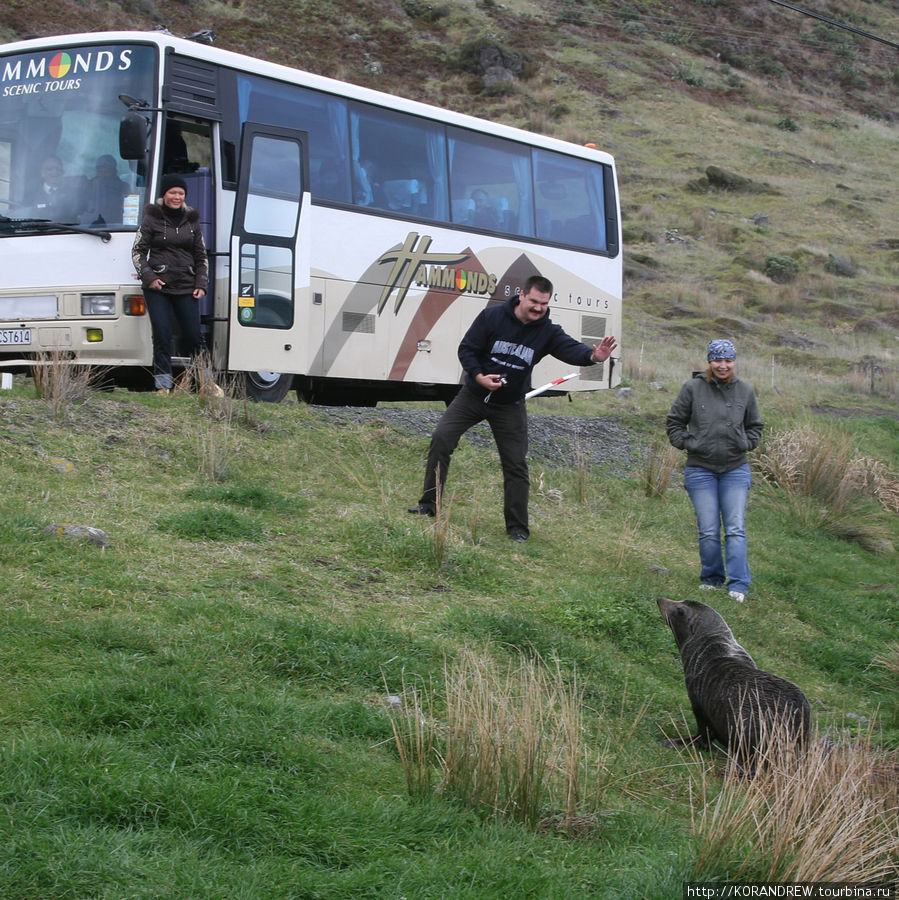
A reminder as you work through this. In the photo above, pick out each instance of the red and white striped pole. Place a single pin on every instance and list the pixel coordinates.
(550, 384)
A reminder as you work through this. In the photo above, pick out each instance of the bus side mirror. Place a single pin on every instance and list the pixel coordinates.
(133, 137)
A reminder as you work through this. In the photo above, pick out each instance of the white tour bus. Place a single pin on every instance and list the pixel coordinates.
(353, 236)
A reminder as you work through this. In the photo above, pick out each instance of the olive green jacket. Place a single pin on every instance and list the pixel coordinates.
(716, 422)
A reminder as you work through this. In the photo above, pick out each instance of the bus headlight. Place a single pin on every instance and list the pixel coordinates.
(94, 335)
(98, 304)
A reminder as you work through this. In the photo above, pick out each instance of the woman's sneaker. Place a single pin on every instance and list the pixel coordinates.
(736, 595)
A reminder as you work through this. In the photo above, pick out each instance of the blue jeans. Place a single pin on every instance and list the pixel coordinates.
(719, 499)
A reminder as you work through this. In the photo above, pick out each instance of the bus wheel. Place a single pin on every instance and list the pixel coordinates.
(267, 387)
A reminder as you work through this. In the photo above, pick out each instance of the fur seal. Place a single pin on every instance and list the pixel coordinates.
(732, 698)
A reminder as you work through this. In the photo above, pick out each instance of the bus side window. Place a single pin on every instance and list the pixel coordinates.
(463, 211)
(571, 193)
(543, 222)
(404, 161)
(491, 183)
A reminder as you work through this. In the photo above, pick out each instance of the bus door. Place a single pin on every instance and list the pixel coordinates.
(270, 261)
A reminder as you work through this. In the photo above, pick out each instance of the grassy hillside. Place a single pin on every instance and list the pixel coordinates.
(803, 273)
(202, 709)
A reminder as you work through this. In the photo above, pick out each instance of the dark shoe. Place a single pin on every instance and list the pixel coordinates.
(421, 510)
(518, 535)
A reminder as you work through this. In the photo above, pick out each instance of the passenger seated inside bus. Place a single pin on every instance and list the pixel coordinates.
(484, 212)
(106, 193)
(402, 194)
(330, 180)
(57, 197)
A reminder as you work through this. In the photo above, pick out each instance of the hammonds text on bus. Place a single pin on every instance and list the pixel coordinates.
(353, 236)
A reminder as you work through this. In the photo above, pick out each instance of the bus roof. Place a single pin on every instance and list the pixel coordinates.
(235, 60)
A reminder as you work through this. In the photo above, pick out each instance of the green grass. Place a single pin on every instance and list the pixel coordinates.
(200, 709)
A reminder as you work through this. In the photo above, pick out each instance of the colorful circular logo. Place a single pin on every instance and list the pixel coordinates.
(60, 65)
(461, 279)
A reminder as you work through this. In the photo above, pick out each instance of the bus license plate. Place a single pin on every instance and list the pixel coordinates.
(15, 336)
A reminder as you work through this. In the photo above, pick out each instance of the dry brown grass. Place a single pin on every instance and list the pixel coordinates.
(440, 531)
(803, 461)
(510, 736)
(872, 378)
(828, 814)
(215, 435)
(60, 380)
(825, 481)
(661, 461)
(889, 659)
(514, 743)
(414, 735)
(199, 376)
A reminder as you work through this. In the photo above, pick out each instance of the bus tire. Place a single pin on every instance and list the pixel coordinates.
(267, 387)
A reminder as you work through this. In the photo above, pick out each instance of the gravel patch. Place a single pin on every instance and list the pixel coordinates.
(557, 441)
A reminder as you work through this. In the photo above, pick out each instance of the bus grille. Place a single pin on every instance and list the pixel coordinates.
(593, 330)
(361, 323)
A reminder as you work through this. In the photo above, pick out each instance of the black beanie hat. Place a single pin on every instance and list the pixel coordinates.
(169, 181)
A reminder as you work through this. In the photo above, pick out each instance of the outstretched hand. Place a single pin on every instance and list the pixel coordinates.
(604, 349)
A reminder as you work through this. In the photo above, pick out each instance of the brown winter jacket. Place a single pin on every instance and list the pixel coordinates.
(171, 249)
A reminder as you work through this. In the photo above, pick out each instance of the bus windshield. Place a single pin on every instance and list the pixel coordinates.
(60, 111)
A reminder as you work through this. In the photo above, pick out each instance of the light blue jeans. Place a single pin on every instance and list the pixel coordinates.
(719, 500)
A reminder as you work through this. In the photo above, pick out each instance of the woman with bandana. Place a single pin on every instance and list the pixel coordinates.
(715, 418)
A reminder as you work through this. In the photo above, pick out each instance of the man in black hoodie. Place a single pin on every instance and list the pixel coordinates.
(498, 353)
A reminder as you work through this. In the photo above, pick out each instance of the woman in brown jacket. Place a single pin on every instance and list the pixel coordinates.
(170, 257)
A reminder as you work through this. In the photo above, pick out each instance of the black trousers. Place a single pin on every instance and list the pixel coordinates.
(509, 424)
(162, 308)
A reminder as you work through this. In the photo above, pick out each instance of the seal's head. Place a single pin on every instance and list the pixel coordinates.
(686, 618)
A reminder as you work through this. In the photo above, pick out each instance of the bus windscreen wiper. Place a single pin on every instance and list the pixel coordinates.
(8, 224)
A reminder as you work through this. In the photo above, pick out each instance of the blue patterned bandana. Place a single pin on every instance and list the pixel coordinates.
(722, 349)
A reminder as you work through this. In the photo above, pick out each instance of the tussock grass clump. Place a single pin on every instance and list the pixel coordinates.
(199, 375)
(829, 813)
(890, 659)
(514, 738)
(441, 528)
(514, 744)
(212, 524)
(215, 448)
(61, 380)
(414, 735)
(661, 461)
(826, 484)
